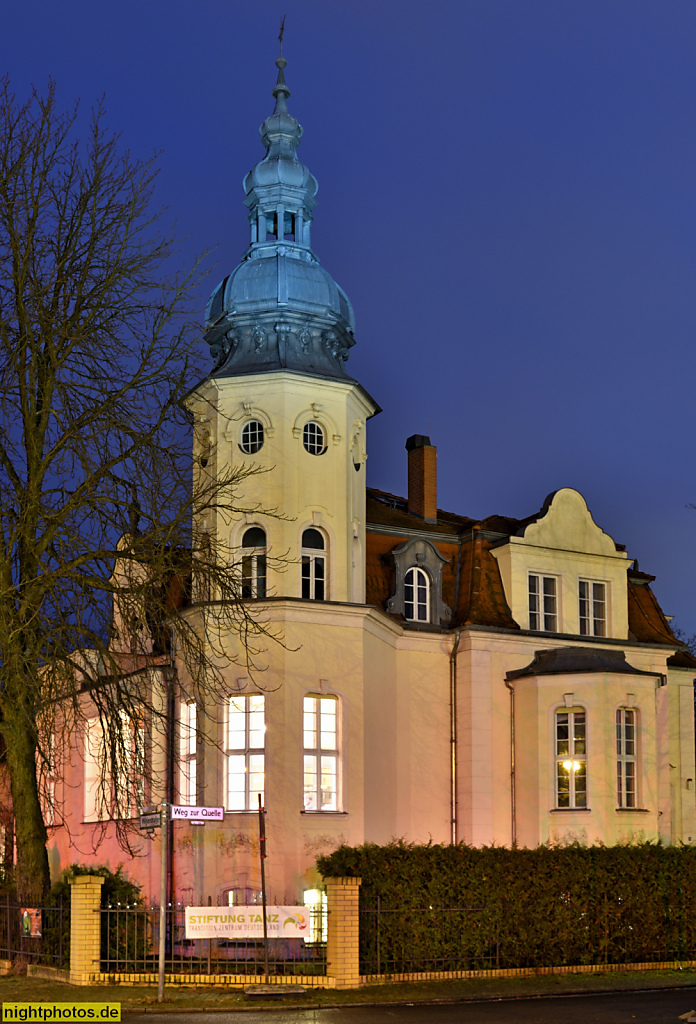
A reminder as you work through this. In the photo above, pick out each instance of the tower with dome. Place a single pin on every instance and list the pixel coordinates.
(433, 676)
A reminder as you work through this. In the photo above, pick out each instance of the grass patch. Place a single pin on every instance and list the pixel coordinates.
(14, 989)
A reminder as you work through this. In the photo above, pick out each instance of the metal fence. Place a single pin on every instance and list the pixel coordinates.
(425, 939)
(418, 940)
(31, 934)
(130, 944)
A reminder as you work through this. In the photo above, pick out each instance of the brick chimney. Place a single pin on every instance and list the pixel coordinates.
(422, 477)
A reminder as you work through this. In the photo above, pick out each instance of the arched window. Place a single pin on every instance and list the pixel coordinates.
(313, 565)
(417, 596)
(254, 563)
(313, 438)
(252, 437)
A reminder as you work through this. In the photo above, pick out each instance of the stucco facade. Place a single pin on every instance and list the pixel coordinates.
(439, 678)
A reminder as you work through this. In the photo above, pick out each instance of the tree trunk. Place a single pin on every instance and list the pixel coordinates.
(33, 875)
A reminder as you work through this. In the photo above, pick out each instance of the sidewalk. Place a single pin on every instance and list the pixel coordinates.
(15, 989)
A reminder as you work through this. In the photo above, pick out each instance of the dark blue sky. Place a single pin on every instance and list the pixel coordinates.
(507, 194)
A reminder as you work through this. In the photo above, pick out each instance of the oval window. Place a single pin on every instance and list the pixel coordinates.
(252, 437)
(313, 438)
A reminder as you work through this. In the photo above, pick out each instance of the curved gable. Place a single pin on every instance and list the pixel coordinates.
(565, 523)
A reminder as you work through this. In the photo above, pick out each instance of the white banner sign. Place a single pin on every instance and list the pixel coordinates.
(246, 922)
(197, 813)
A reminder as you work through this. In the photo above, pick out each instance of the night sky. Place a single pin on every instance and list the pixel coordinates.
(506, 193)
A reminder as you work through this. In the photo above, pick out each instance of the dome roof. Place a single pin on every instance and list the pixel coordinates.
(279, 308)
(279, 281)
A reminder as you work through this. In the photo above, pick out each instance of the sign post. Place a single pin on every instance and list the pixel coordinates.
(262, 853)
(164, 833)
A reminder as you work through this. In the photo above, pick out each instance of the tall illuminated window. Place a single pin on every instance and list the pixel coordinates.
(320, 729)
(571, 759)
(188, 725)
(245, 742)
(625, 757)
(97, 785)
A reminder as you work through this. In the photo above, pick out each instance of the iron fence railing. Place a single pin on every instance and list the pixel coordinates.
(32, 934)
(417, 940)
(130, 944)
(427, 939)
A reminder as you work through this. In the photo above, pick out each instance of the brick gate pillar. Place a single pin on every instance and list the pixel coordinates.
(342, 961)
(85, 928)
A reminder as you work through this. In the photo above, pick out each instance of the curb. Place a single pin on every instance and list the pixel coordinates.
(579, 993)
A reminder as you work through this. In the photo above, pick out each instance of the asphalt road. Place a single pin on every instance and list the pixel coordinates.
(619, 1008)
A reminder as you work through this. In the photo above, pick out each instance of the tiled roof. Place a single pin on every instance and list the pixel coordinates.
(646, 619)
(471, 581)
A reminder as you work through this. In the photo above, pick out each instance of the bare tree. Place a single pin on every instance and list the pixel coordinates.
(99, 497)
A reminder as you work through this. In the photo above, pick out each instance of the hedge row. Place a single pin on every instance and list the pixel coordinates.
(461, 907)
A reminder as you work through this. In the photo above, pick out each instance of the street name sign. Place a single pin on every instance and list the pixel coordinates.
(180, 813)
(150, 821)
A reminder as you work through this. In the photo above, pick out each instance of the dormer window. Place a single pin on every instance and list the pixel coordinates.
(417, 584)
(417, 596)
(543, 603)
(254, 563)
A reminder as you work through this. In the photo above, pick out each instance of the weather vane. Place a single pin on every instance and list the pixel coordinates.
(280, 35)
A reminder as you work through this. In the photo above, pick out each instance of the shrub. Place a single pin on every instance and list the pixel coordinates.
(520, 908)
(124, 937)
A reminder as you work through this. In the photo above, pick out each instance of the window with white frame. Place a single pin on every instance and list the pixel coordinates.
(626, 757)
(571, 759)
(252, 437)
(313, 438)
(592, 608)
(417, 595)
(254, 563)
(245, 741)
(123, 750)
(96, 784)
(188, 725)
(321, 765)
(140, 738)
(314, 581)
(543, 603)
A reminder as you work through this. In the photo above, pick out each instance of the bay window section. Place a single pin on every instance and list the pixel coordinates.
(571, 759)
(321, 753)
(625, 757)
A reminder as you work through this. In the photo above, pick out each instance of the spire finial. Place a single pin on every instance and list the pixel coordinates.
(281, 33)
(281, 91)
